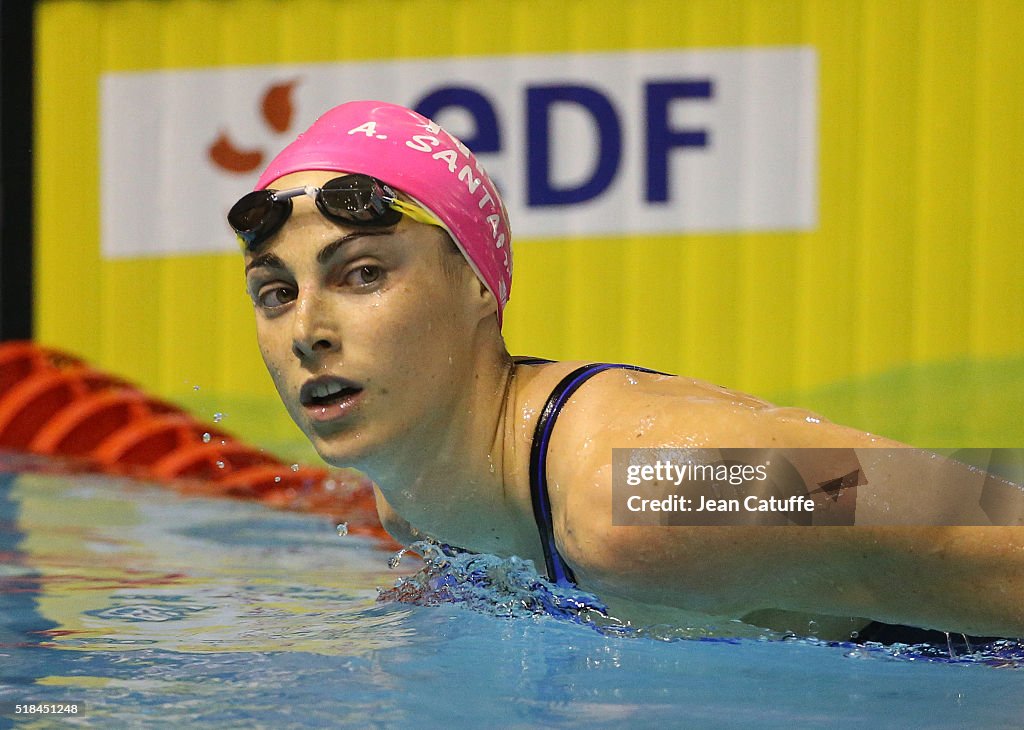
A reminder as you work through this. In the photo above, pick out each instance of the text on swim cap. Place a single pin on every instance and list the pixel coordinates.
(450, 158)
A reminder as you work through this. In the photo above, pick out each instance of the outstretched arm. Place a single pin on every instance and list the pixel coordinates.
(923, 573)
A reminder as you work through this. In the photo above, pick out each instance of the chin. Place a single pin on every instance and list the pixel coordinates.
(343, 450)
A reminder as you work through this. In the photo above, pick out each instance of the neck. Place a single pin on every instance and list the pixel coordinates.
(464, 477)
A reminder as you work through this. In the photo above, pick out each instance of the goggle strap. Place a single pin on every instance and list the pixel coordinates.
(418, 214)
(309, 190)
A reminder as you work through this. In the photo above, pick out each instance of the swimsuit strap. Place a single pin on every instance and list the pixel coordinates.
(558, 571)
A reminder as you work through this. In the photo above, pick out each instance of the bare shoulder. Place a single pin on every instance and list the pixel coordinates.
(623, 408)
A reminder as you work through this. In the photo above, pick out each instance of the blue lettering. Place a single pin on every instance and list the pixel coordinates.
(488, 135)
(539, 189)
(661, 139)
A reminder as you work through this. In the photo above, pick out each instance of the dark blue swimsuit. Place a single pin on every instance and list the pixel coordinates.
(561, 574)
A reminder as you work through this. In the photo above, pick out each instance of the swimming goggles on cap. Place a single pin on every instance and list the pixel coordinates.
(355, 200)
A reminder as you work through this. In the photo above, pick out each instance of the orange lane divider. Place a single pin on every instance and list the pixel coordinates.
(54, 404)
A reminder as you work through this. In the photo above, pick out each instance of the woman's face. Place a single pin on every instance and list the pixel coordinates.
(367, 339)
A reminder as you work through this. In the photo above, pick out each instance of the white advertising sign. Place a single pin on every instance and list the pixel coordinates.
(587, 144)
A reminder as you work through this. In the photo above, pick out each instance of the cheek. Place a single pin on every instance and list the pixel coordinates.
(429, 345)
(273, 348)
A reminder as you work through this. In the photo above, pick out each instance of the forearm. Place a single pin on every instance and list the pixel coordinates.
(916, 487)
(962, 579)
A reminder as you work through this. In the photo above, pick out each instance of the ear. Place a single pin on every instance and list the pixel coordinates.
(488, 305)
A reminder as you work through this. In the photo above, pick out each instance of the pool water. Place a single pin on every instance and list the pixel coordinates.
(151, 609)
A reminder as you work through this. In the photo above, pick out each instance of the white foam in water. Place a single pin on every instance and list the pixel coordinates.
(507, 587)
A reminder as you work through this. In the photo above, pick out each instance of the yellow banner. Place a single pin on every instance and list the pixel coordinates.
(898, 310)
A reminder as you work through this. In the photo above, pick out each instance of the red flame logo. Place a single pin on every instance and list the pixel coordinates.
(278, 111)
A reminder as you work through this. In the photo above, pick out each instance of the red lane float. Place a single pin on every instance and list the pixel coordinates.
(54, 404)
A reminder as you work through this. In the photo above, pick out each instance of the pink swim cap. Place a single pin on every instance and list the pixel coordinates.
(414, 155)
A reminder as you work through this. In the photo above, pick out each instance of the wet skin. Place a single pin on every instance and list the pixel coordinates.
(431, 407)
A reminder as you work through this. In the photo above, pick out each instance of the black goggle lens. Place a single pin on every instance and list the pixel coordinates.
(258, 215)
(356, 200)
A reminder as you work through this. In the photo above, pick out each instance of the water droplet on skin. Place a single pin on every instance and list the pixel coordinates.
(206, 438)
(342, 529)
(631, 380)
(645, 425)
(812, 419)
(295, 467)
(277, 479)
(218, 417)
(330, 485)
(220, 464)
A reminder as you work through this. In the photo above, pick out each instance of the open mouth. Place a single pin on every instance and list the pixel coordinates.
(327, 391)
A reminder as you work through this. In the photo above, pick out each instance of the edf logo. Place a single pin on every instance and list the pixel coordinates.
(580, 144)
(661, 138)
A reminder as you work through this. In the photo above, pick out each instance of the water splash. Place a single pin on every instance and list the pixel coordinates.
(512, 588)
(505, 587)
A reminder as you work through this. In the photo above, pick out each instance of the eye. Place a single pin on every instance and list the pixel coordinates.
(364, 276)
(272, 297)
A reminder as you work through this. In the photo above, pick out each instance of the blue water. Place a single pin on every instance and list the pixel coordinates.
(150, 609)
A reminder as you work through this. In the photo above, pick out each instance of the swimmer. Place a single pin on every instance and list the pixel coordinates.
(379, 272)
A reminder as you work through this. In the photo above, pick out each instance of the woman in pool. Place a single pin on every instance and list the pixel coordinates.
(379, 271)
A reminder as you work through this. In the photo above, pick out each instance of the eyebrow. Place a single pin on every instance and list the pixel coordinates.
(266, 259)
(323, 255)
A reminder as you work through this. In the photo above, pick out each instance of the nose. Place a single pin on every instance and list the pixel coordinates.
(312, 330)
